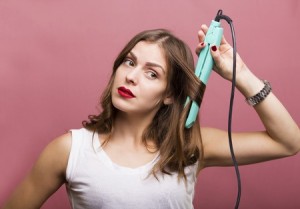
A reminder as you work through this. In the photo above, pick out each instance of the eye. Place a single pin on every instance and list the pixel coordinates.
(129, 62)
(151, 74)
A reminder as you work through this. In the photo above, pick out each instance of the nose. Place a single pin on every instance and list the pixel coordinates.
(132, 76)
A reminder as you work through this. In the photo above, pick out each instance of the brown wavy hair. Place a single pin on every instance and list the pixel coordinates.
(178, 146)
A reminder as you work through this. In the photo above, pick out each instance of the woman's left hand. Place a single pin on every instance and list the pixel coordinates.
(282, 135)
(222, 55)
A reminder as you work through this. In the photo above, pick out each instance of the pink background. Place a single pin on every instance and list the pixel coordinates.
(56, 58)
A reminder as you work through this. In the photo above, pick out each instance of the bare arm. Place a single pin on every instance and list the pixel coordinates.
(47, 175)
(281, 137)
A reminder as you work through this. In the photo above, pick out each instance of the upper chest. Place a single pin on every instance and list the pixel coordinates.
(110, 184)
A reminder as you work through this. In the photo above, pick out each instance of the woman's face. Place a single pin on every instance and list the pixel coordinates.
(141, 80)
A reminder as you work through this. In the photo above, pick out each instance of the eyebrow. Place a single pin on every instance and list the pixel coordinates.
(150, 64)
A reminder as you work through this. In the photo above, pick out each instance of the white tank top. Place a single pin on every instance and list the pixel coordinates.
(94, 181)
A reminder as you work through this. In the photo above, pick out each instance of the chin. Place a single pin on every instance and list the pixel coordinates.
(120, 105)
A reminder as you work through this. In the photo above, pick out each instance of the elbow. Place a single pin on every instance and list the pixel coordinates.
(291, 144)
(297, 142)
(290, 151)
(295, 148)
(294, 151)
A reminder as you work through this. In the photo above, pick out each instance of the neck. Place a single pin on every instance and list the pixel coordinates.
(130, 128)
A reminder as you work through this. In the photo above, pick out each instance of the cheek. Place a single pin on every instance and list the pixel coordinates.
(153, 93)
(117, 74)
(117, 78)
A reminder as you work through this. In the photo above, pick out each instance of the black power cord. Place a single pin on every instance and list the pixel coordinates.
(233, 84)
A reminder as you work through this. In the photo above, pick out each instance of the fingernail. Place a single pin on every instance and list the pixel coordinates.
(202, 44)
(214, 48)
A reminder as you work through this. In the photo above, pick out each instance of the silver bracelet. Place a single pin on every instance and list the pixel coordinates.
(260, 96)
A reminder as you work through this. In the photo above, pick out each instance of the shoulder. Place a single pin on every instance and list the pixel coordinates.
(55, 155)
(61, 144)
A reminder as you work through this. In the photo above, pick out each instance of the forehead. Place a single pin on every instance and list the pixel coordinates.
(150, 52)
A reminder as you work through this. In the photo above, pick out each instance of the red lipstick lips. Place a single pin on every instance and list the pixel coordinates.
(126, 93)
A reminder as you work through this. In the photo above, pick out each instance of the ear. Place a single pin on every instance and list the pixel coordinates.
(168, 100)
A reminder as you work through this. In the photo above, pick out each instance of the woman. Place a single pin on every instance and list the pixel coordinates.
(137, 152)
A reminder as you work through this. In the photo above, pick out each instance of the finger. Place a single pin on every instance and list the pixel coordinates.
(199, 47)
(204, 28)
(202, 32)
(215, 53)
(201, 36)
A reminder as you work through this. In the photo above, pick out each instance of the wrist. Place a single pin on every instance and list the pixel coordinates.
(248, 84)
(261, 95)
